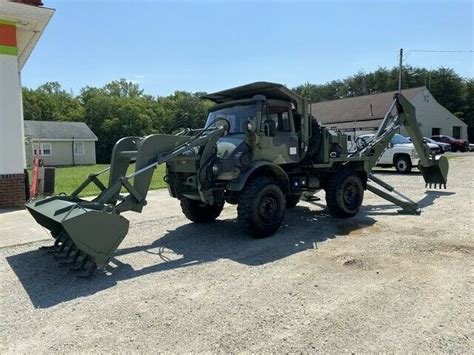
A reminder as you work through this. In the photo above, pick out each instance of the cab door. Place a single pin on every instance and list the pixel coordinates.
(279, 139)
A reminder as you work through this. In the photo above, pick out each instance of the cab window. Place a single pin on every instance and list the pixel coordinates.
(280, 115)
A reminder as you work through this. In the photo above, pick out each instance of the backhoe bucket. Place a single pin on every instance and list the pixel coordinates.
(86, 233)
(436, 173)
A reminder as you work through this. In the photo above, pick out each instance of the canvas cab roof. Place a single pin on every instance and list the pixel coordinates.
(269, 90)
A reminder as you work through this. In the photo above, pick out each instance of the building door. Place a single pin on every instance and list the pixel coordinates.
(457, 132)
(435, 131)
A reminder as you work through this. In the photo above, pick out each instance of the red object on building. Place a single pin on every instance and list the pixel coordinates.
(34, 184)
(29, 2)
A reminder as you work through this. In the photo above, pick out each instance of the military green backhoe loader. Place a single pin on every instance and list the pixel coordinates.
(260, 149)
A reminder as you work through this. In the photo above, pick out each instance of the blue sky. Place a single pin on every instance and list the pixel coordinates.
(211, 45)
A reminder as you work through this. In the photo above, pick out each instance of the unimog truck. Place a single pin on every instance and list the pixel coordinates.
(260, 149)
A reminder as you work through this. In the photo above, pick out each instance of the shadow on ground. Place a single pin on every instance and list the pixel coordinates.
(48, 285)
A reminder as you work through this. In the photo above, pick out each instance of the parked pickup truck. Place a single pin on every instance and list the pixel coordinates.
(400, 153)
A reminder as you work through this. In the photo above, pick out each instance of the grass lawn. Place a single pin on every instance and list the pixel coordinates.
(69, 178)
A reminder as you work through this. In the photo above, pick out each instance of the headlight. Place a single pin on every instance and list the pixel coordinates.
(215, 168)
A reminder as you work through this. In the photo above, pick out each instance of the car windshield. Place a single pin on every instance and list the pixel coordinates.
(237, 116)
(399, 139)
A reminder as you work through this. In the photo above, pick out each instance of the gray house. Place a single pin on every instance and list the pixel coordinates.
(363, 114)
(60, 143)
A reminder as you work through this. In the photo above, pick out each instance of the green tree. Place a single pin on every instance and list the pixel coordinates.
(50, 102)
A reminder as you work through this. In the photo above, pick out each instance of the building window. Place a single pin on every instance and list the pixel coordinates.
(78, 148)
(44, 151)
(435, 131)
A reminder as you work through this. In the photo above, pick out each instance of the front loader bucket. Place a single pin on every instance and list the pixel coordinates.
(86, 233)
(436, 173)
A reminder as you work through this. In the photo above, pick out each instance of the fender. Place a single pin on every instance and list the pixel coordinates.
(258, 168)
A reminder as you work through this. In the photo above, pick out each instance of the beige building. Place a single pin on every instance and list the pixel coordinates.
(60, 143)
(363, 114)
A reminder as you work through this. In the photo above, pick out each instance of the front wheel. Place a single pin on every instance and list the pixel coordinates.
(261, 207)
(344, 193)
(200, 212)
(403, 164)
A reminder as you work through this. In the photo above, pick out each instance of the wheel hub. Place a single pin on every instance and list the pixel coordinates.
(350, 194)
(268, 207)
(402, 165)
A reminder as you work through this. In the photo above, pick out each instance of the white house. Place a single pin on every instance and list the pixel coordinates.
(60, 143)
(21, 24)
(363, 114)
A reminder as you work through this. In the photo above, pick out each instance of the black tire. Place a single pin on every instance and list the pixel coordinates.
(261, 207)
(403, 164)
(454, 149)
(200, 212)
(344, 193)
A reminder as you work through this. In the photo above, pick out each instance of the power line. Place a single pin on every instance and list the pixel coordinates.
(435, 51)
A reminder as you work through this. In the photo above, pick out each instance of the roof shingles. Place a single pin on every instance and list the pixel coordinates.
(58, 130)
(360, 108)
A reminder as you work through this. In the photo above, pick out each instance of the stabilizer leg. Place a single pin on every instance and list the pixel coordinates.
(408, 206)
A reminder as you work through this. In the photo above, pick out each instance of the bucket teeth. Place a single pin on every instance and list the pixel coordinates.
(73, 259)
(70, 257)
(66, 250)
(67, 253)
(89, 269)
(80, 262)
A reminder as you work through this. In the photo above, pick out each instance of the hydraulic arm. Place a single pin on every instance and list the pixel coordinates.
(87, 233)
(434, 169)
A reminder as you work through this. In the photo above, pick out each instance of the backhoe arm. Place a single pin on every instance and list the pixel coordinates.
(434, 170)
(403, 113)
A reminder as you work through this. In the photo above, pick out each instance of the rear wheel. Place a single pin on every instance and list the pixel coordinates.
(403, 164)
(344, 193)
(261, 207)
(200, 212)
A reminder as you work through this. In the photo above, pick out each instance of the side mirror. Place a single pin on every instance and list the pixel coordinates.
(269, 128)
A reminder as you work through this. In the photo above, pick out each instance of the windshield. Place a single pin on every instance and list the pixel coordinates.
(236, 115)
(399, 139)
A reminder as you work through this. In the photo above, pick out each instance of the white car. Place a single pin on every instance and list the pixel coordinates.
(400, 153)
(444, 147)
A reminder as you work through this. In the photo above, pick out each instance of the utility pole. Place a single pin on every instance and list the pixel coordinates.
(400, 71)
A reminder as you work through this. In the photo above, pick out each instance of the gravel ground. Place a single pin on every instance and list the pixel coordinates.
(377, 282)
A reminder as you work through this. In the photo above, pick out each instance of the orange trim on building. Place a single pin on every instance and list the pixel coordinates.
(7, 35)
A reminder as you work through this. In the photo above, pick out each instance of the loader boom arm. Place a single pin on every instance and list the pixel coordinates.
(403, 113)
